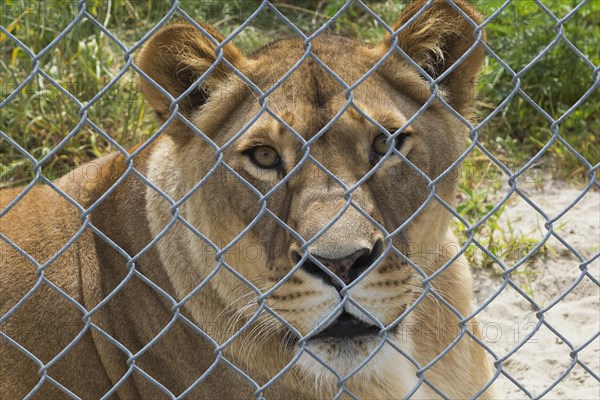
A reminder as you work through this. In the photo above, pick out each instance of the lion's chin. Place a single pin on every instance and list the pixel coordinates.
(342, 354)
(368, 361)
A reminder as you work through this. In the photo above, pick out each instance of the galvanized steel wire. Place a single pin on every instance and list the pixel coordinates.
(263, 99)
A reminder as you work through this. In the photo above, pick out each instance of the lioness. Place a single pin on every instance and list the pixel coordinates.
(145, 283)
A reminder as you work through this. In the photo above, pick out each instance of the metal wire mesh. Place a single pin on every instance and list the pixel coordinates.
(262, 97)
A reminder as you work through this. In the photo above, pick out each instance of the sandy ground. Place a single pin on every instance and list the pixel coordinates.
(508, 320)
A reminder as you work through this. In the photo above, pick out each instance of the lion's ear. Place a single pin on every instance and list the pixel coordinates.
(175, 57)
(437, 38)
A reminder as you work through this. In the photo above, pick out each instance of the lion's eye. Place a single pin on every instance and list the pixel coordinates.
(264, 157)
(380, 146)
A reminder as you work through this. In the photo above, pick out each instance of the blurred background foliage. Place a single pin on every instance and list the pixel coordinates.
(85, 60)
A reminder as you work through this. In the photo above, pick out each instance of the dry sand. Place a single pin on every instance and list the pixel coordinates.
(509, 318)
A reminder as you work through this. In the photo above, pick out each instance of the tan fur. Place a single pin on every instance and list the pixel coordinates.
(133, 214)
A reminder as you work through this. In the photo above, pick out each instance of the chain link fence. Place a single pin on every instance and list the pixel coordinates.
(176, 304)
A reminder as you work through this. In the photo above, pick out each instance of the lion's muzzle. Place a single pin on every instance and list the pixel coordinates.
(345, 269)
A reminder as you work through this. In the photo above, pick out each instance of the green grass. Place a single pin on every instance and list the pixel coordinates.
(555, 83)
(498, 236)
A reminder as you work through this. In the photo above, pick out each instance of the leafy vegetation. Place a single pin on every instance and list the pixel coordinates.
(555, 83)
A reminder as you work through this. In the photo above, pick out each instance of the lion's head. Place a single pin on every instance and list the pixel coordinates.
(302, 169)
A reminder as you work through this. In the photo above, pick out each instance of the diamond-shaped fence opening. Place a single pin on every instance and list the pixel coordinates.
(299, 218)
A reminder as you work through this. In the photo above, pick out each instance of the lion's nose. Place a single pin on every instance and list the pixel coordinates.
(347, 268)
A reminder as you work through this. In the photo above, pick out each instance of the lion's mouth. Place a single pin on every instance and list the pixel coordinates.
(346, 326)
